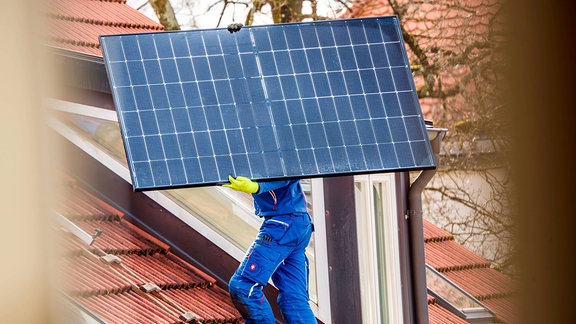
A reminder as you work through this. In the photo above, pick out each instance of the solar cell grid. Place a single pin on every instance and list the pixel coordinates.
(267, 102)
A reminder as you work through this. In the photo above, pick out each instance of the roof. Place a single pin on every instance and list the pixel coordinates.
(441, 29)
(111, 291)
(114, 292)
(437, 23)
(439, 314)
(76, 24)
(470, 272)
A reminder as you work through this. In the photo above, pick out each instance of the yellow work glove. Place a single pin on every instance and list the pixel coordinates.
(242, 184)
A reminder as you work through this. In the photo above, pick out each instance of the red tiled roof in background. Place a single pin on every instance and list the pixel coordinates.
(468, 271)
(76, 24)
(451, 25)
(112, 291)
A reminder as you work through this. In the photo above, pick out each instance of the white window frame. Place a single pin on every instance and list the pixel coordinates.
(322, 310)
(370, 277)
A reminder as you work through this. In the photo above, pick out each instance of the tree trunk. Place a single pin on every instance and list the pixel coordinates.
(165, 14)
(284, 11)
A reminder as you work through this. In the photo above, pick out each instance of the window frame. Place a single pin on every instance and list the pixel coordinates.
(369, 251)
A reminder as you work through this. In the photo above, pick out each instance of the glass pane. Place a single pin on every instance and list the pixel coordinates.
(366, 257)
(378, 250)
(312, 284)
(378, 192)
(228, 212)
(450, 292)
(105, 134)
(221, 212)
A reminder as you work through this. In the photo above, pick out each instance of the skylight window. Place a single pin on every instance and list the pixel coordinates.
(455, 299)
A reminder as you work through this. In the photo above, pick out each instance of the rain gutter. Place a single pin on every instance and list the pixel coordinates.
(416, 231)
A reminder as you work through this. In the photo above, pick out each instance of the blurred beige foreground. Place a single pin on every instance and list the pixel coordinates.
(25, 263)
(543, 129)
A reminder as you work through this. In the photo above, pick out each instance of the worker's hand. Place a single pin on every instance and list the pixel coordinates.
(242, 184)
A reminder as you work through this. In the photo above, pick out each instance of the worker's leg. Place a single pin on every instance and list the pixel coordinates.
(250, 301)
(275, 242)
(246, 284)
(291, 279)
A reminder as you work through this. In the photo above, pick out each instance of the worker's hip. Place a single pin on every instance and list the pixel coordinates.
(286, 230)
(280, 237)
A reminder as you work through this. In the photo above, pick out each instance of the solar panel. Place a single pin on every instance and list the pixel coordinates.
(267, 102)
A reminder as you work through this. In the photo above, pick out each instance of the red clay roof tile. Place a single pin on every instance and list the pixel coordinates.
(119, 237)
(482, 283)
(86, 277)
(205, 302)
(434, 233)
(470, 272)
(83, 204)
(128, 307)
(504, 308)
(438, 314)
(449, 255)
(164, 272)
(111, 290)
(77, 24)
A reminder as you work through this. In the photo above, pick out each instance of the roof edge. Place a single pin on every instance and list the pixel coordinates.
(100, 22)
(77, 55)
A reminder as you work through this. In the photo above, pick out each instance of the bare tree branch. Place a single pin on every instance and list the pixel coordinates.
(222, 12)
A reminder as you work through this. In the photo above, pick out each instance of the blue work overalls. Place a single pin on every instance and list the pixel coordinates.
(278, 252)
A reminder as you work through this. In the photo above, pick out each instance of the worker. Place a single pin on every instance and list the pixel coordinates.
(278, 252)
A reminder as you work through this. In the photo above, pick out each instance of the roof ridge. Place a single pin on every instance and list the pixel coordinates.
(118, 1)
(173, 280)
(463, 267)
(135, 251)
(94, 217)
(100, 292)
(495, 295)
(438, 239)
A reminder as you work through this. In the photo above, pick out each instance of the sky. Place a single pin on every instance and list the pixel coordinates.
(196, 14)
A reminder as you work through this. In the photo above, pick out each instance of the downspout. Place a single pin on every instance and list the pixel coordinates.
(416, 231)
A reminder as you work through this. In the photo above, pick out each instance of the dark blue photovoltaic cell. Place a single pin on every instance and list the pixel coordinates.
(268, 102)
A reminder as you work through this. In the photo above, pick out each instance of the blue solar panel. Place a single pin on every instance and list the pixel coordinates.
(267, 102)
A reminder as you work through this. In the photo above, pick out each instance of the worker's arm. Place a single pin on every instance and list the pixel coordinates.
(272, 185)
(246, 185)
